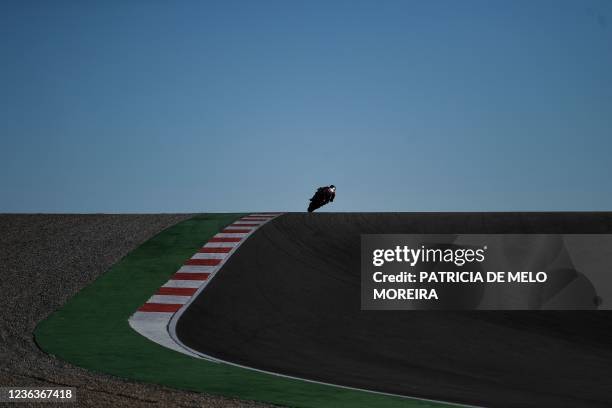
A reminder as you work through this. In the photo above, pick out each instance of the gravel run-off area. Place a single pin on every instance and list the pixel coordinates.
(44, 261)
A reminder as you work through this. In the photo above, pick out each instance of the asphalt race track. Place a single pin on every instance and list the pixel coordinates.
(288, 302)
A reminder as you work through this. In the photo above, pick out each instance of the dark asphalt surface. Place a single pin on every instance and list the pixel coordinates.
(288, 301)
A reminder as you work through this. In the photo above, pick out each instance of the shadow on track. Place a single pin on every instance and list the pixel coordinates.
(289, 302)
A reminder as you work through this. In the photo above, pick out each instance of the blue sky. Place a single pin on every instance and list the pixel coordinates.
(147, 106)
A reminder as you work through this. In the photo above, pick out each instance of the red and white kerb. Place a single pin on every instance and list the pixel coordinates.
(151, 319)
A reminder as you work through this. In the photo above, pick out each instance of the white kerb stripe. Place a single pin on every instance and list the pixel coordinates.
(209, 256)
(183, 284)
(220, 244)
(169, 299)
(152, 316)
(231, 235)
(196, 268)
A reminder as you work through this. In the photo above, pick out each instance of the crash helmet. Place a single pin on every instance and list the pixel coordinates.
(333, 188)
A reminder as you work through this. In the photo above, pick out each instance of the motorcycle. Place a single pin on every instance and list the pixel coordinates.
(319, 199)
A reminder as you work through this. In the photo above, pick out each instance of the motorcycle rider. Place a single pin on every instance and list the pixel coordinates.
(328, 193)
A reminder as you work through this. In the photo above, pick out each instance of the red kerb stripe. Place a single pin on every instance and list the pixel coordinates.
(159, 307)
(190, 276)
(236, 231)
(203, 262)
(176, 291)
(225, 240)
(209, 250)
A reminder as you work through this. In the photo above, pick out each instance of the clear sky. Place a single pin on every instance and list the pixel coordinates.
(150, 106)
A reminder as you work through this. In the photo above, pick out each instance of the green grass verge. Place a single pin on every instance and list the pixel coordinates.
(92, 331)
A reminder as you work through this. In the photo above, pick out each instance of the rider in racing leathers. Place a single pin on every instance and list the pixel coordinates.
(327, 193)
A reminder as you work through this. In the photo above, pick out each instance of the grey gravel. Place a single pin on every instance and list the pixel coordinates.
(44, 261)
